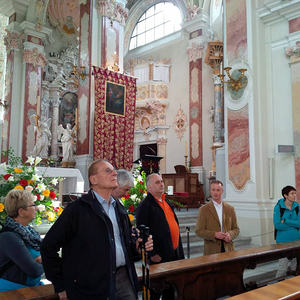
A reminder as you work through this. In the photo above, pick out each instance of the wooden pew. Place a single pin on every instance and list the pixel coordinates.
(288, 289)
(206, 277)
(218, 275)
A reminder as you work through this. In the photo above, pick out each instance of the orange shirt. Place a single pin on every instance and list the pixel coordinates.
(169, 214)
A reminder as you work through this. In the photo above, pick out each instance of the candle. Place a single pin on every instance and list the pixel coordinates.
(76, 116)
(185, 148)
(38, 105)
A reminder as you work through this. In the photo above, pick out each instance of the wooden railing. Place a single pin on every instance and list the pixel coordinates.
(205, 277)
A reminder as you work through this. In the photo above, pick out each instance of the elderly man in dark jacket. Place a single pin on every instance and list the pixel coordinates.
(158, 214)
(98, 248)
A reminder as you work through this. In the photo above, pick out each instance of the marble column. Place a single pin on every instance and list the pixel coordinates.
(294, 54)
(218, 112)
(13, 94)
(45, 101)
(55, 101)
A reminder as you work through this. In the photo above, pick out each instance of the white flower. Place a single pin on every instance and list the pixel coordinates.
(54, 181)
(133, 197)
(42, 197)
(3, 166)
(135, 183)
(30, 160)
(36, 177)
(11, 178)
(29, 169)
(41, 187)
(41, 207)
(140, 178)
(29, 188)
(138, 200)
(34, 198)
(37, 160)
(145, 195)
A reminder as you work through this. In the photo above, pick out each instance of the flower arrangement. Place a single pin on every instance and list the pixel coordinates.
(136, 194)
(25, 176)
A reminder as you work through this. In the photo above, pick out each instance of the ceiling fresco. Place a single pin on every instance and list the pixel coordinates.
(64, 15)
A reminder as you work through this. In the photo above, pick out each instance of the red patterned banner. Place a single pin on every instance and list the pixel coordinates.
(115, 96)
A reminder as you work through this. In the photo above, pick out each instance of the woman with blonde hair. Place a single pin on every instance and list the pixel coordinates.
(20, 260)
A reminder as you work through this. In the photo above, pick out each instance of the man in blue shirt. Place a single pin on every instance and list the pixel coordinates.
(98, 249)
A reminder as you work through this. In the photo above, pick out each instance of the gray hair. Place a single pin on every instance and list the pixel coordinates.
(148, 178)
(124, 178)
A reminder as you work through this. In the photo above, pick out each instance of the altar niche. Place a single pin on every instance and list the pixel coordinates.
(67, 109)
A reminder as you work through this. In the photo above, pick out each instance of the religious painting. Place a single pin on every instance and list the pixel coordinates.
(67, 109)
(115, 98)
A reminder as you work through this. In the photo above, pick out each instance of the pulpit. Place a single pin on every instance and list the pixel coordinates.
(150, 163)
(186, 187)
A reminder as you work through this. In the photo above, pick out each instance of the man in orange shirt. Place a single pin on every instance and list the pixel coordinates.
(157, 213)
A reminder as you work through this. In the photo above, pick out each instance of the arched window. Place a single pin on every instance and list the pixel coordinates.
(158, 21)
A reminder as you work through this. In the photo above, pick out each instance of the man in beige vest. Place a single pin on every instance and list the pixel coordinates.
(216, 222)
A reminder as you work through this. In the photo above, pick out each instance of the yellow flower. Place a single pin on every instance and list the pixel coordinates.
(17, 170)
(131, 217)
(1, 207)
(30, 181)
(46, 193)
(18, 187)
(51, 216)
(59, 211)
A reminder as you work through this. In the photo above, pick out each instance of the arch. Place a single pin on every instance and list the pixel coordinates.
(138, 10)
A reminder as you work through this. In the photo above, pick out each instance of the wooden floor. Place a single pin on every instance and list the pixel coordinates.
(288, 289)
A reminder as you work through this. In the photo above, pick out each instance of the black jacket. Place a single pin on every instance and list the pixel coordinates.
(150, 213)
(88, 265)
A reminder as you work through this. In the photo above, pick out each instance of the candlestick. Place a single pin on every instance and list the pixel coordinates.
(38, 105)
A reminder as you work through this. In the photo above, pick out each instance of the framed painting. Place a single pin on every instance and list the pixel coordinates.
(115, 98)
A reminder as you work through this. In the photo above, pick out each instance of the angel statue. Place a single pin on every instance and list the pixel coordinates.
(43, 137)
(67, 141)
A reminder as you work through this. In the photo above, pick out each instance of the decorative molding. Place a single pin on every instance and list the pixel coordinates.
(195, 52)
(32, 56)
(192, 10)
(13, 40)
(113, 10)
(180, 123)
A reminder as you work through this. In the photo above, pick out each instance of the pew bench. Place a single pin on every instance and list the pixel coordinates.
(205, 277)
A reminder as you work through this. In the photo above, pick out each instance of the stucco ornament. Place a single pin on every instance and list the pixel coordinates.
(40, 12)
(237, 94)
(113, 10)
(293, 51)
(180, 123)
(192, 10)
(33, 56)
(13, 40)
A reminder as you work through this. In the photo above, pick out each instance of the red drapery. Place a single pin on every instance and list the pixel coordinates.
(115, 96)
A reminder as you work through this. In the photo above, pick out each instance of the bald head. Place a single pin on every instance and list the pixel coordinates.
(155, 185)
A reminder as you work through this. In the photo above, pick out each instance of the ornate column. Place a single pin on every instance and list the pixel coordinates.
(55, 101)
(113, 15)
(14, 48)
(218, 113)
(35, 61)
(294, 54)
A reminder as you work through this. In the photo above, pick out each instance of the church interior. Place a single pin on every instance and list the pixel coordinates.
(196, 90)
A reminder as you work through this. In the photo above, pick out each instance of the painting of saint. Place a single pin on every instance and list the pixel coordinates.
(115, 98)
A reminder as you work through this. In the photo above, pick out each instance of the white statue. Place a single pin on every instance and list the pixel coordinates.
(67, 141)
(43, 137)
